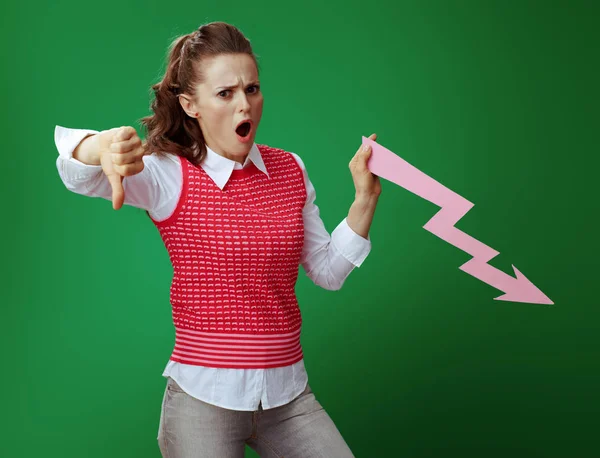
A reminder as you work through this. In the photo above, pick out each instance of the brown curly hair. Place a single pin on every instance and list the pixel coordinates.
(170, 129)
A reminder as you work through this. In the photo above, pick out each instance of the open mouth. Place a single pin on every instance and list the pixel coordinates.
(243, 129)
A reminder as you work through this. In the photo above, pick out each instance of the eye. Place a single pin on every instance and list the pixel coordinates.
(253, 89)
(224, 93)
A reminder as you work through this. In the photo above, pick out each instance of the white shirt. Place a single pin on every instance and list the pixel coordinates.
(326, 259)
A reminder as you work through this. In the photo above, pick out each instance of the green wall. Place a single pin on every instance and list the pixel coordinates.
(412, 358)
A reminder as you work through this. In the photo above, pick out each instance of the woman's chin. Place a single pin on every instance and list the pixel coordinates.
(244, 143)
(241, 149)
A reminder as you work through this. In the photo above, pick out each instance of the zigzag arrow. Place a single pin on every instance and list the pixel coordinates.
(389, 166)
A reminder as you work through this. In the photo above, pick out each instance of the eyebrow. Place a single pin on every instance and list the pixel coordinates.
(222, 88)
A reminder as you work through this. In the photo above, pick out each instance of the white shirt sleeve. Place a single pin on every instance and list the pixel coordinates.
(328, 259)
(155, 189)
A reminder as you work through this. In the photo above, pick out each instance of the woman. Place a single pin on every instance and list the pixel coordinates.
(237, 220)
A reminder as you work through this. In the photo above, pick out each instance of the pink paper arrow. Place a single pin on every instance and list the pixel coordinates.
(388, 165)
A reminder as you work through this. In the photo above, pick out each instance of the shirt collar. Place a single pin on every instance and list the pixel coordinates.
(219, 168)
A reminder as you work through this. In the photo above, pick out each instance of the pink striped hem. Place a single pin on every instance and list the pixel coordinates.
(236, 351)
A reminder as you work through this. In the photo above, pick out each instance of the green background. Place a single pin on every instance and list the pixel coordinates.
(412, 358)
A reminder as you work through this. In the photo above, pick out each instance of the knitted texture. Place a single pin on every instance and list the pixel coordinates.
(235, 254)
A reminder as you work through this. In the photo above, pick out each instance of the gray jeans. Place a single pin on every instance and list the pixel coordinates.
(190, 428)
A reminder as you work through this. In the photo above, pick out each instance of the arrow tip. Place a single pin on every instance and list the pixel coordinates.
(524, 291)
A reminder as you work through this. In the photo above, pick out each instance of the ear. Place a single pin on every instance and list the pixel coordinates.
(188, 105)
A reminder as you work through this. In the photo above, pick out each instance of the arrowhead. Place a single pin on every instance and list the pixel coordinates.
(522, 290)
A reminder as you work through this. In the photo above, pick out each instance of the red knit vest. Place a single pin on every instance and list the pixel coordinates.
(235, 254)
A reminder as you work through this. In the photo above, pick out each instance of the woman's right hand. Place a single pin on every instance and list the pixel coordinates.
(121, 155)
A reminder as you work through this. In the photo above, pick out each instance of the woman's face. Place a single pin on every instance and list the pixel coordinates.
(229, 98)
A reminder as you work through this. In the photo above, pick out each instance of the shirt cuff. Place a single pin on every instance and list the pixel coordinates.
(351, 245)
(66, 140)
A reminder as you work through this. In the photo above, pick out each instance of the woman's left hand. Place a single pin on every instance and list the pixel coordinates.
(366, 184)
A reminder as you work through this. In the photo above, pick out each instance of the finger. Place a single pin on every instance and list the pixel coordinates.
(367, 149)
(359, 161)
(124, 133)
(127, 158)
(146, 148)
(128, 170)
(365, 153)
(118, 194)
(361, 149)
(125, 146)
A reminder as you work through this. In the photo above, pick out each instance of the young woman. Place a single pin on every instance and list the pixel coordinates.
(237, 219)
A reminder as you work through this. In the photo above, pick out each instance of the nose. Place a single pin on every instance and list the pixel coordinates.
(243, 103)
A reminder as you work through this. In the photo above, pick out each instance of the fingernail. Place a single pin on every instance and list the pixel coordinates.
(366, 148)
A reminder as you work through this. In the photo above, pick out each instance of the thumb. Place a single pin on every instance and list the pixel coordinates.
(147, 151)
(366, 147)
(118, 194)
(367, 150)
